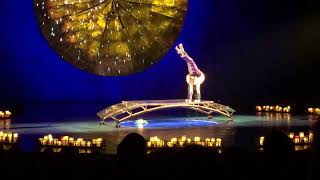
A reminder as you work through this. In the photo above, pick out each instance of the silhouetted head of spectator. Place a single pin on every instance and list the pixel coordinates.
(278, 143)
(132, 147)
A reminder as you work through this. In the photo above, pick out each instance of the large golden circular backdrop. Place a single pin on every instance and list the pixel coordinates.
(111, 37)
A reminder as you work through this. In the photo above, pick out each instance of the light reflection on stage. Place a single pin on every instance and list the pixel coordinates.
(175, 123)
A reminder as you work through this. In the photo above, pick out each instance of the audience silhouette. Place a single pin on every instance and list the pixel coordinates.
(131, 154)
(277, 161)
(279, 150)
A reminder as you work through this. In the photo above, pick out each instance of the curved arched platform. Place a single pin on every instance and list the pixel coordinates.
(128, 109)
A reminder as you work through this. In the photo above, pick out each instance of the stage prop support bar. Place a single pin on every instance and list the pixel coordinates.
(128, 109)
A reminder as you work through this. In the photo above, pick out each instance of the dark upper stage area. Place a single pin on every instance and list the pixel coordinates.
(252, 52)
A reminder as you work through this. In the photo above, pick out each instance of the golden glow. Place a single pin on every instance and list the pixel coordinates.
(8, 137)
(48, 140)
(277, 108)
(301, 140)
(155, 142)
(258, 108)
(261, 141)
(312, 110)
(5, 114)
(111, 37)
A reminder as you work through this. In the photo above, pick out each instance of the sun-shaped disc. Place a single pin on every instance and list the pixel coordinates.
(111, 37)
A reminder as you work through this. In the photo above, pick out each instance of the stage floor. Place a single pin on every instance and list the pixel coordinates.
(243, 132)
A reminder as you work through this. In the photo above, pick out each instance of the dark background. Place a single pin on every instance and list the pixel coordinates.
(252, 52)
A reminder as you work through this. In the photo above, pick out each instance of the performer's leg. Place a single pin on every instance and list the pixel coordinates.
(190, 92)
(198, 89)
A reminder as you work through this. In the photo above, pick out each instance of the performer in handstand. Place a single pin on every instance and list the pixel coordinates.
(195, 77)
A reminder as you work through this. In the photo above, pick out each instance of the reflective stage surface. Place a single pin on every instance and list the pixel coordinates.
(244, 131)
(171, 123)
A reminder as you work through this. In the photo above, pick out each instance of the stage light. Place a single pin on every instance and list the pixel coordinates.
(155, 142)
(311, 110)
(277, 109)
(69, 141)
(170, 144)
(174, 140)
(8, 137)
(197, 139)
(111, 37)
(219, 142)
(271, 108)
(184, 138)
(310, 136)
(141, 123)
(261, 140)
(291, 135)
(258, 108)
(7, 114)
(287, 109)
(301, 134)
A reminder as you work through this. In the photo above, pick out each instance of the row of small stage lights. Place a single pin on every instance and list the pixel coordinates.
(279, 109)
(84, 146)
(286, 109)
(5, 114)
(301, 140)
(312, 110)
(8, 137)
(155, 142)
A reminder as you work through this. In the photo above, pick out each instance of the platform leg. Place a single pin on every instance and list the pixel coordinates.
(101, 122)
(118, 125)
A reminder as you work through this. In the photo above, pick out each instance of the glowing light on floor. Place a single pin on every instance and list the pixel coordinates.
(174, 123)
